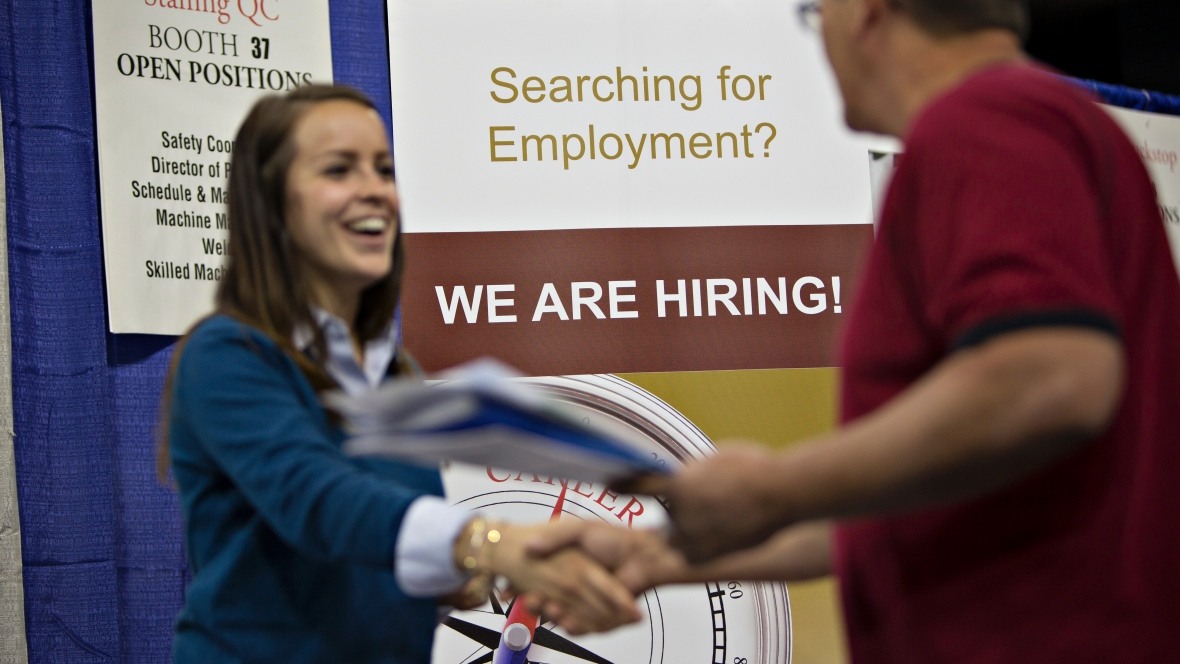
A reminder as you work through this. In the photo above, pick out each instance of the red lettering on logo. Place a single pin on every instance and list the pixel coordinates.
(605, 493)
(496, 479)
(630, 513)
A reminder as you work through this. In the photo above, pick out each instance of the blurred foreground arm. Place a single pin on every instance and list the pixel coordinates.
(643, 559)
(982, 418)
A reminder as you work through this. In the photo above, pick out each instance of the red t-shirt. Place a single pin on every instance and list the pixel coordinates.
(1018, 202)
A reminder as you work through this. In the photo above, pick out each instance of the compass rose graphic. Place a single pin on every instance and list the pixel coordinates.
(729, 622)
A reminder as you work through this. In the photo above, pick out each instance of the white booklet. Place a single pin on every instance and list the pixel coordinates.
(480, 414)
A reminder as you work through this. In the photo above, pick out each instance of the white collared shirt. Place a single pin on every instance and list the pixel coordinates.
(422, 557)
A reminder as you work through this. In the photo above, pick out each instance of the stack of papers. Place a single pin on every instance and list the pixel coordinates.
(481, 414)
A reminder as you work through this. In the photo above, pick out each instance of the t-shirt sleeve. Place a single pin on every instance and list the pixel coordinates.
(1010, 233)
(239, 396)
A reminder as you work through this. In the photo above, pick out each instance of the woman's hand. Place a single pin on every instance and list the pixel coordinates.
(577, 592)
(472, 595)
(640, 559)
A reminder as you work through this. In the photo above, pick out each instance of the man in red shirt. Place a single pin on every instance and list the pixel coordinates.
(1003, 487)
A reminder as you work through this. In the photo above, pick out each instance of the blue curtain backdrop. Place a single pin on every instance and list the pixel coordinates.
(103, 564)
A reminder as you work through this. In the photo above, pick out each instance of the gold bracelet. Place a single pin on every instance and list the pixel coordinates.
(480, 536)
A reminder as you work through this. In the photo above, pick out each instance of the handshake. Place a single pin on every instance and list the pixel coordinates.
(585, 576)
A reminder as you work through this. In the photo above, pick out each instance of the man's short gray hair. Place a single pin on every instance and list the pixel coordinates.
(952, 17)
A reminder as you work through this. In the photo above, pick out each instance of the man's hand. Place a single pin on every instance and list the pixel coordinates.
(578, 593)
(721, 504)
(639, 559)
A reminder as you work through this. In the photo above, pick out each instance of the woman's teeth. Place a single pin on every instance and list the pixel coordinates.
(370, 226)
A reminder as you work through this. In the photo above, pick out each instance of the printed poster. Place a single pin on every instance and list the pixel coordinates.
(172, 82)
(1157, 138)
(653, 209)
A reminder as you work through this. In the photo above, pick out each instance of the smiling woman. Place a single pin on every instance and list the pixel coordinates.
(299, 553)
(341, 204)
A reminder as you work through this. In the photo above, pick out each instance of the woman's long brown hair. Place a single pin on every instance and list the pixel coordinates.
(262, 285)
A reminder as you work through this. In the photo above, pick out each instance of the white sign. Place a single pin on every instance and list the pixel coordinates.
(566, 114)
(1157, 138)
(172, 82)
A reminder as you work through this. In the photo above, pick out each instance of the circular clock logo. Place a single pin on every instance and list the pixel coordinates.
(729, 622)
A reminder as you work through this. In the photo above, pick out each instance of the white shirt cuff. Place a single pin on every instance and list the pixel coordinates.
(423, 564)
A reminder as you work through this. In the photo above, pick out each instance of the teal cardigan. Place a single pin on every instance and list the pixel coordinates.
(290, 542)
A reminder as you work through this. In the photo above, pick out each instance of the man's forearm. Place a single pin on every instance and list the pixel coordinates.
(797, 553)
(982, 419)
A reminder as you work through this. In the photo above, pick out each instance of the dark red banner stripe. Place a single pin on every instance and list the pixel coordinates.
(817, 264)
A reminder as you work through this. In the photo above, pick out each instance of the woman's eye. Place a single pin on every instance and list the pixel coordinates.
(336, 170)
(386, 170)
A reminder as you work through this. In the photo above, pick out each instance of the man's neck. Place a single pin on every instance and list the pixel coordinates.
(930, 66)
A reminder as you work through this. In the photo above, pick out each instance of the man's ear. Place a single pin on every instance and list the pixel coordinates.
(869, 15)
(869, 18)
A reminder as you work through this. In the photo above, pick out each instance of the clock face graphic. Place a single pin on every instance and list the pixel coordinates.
(727, 622)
